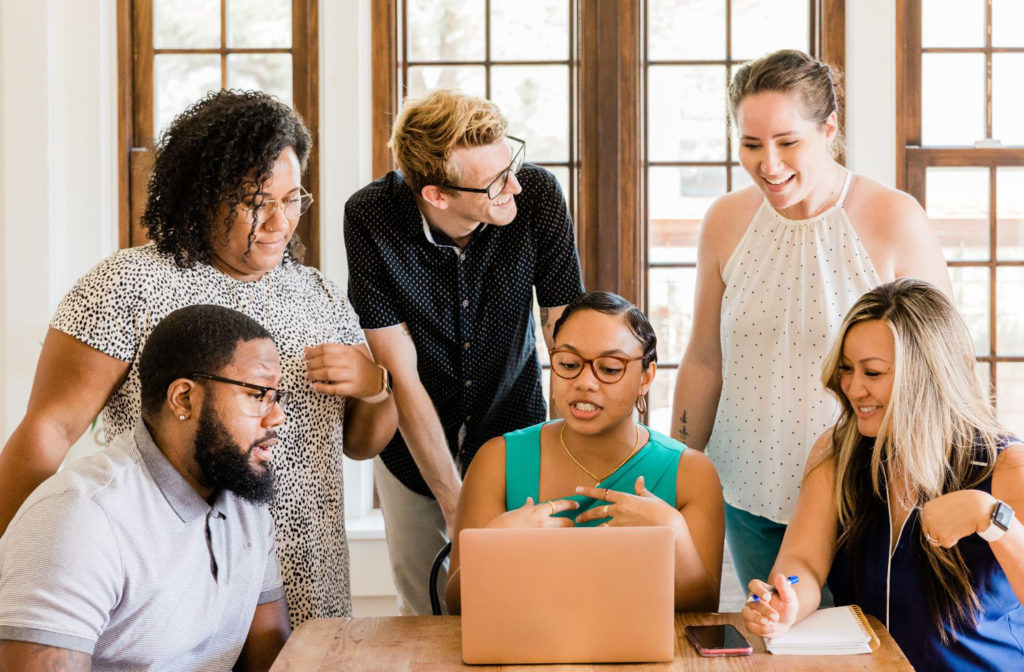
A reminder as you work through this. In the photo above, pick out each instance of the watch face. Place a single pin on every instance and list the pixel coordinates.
(1003, 515)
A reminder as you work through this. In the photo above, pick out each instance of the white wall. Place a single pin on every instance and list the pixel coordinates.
(58, 130)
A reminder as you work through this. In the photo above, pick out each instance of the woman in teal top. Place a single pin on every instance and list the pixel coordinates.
(597, 465)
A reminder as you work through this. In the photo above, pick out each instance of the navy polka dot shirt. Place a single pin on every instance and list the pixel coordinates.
(469, 310)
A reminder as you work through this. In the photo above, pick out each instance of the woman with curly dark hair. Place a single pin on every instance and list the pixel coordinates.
(223, 203)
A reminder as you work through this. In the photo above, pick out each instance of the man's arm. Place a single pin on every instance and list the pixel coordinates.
(267, 635)
(418, 420)
(29, 657)
(548, 317)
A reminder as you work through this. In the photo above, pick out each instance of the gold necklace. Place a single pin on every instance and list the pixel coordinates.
(636, 444)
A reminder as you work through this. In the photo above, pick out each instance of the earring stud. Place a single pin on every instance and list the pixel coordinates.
(181, 417)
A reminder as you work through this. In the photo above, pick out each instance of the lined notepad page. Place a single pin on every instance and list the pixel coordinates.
(836, 631)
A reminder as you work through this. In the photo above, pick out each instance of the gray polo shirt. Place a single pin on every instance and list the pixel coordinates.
(119, 557)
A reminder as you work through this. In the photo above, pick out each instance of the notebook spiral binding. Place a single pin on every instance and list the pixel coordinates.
(873, 640)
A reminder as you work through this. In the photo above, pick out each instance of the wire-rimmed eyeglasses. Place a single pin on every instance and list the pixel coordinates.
(292, 207)
(497, 185)
(267, 397)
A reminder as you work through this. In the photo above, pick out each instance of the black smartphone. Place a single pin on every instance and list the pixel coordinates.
(718, 640)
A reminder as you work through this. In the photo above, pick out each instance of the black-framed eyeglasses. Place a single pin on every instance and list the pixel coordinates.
(497, 185)
(607, 368)
(292, 207)
(267, 397)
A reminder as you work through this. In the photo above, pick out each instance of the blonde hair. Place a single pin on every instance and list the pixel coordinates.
(429, 129)
(791, 71)
(939, 433)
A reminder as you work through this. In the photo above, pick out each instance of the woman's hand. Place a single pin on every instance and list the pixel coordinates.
(536, 515)
(947, 519)
(344, 370)
(643, 509)
(774, 612)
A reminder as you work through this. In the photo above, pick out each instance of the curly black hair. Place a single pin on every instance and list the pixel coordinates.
(209, 151)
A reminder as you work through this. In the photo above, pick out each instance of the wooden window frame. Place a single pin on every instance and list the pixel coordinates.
(135, 58)
(913, 159)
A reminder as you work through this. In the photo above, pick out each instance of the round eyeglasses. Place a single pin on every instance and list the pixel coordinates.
(262, 400)
(497, 185)
(607, 368)
(293, 207)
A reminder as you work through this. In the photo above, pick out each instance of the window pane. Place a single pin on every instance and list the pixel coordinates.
(446, 30)
(540, 34)
(1007, 24)
(186, 24)
(679, 197)
(686, 113)
(740, 178)
(953, 23)
(759, 27)
(535, 100)
(180, 80)
(659, 399)
(1009, 316)
(562, 175)
(1010, 213)
(952, 99)
(1010, 397)
(970, 295)
(685, 30)
(1007, 98)
(266, 72)
(468, 79)
(259, 23)
(670, 310)
(958, 201)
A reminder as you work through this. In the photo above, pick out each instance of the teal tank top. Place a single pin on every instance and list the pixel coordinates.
(657, 461)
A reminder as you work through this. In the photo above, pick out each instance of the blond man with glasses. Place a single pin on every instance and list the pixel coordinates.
(444, 257)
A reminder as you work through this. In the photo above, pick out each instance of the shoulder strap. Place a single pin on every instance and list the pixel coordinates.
(522, 466)
(841, 203)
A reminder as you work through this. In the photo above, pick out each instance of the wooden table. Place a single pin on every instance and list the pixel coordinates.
(434, 643)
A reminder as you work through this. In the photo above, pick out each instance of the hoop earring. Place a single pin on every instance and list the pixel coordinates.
(641, 404)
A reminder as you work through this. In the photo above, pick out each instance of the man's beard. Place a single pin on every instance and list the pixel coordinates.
(223, 463)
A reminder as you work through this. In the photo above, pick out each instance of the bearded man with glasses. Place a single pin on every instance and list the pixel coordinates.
(159, 552)
(444, 257)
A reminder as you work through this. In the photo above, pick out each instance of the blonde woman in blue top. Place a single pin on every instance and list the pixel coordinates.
(907, 505)
(597, 465)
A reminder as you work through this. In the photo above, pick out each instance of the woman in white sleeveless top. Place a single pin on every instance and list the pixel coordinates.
(779, 264)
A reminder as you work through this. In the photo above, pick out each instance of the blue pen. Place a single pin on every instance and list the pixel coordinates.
(773, 589)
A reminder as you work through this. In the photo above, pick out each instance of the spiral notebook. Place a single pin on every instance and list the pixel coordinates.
(837, 631)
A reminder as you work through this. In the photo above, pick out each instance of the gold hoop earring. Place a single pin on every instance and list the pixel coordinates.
(641, 404)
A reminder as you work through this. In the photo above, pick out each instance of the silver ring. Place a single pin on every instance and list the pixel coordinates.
(930, 539)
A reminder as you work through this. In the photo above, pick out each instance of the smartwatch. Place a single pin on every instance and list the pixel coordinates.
(1002, 516)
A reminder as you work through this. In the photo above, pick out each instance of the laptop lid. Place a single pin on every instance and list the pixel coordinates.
(567, 595)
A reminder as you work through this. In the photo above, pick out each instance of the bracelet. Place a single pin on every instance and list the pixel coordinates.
(385, 387)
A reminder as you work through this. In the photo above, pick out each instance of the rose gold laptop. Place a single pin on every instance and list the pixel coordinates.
(567, 595)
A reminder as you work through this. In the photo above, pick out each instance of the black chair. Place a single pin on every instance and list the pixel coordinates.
(435, 569)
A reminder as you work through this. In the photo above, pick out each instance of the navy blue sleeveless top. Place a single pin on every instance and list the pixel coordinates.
(894, 592)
